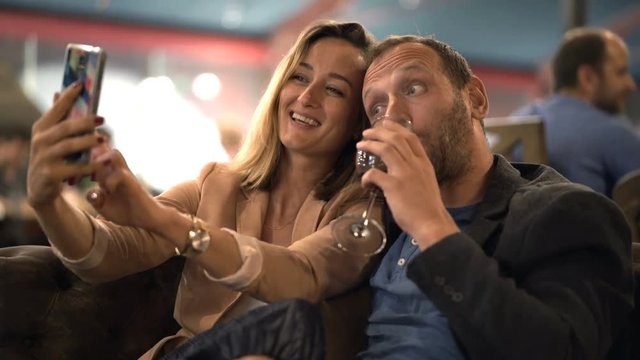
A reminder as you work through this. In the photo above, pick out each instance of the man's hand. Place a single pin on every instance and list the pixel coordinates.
(410, 185)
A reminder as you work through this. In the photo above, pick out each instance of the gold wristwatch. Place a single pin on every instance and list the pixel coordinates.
(198, 239)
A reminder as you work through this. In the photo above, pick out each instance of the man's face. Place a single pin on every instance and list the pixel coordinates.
(408, 81)
(614, 80)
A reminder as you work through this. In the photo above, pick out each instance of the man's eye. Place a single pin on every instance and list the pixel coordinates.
(415, 89)
(376, 110)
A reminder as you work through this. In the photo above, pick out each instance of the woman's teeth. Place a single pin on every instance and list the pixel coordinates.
(304, 120)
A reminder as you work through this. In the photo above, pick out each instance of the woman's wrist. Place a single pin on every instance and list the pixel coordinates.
(49, 210)
(172, 225)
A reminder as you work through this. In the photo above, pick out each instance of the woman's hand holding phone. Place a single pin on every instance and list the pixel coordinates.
(65, 147)
(52, 141)
(120, 197)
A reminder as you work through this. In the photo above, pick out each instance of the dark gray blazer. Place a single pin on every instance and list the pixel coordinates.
(542, 272)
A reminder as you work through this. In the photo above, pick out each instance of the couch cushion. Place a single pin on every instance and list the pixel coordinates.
(46, 312)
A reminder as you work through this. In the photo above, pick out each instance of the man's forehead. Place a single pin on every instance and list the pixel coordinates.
(406, 56)
(616, 48)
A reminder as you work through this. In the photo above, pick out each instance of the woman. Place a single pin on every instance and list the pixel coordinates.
(256, 230)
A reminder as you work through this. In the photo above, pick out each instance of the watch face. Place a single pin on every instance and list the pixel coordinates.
(199, 239)
(200, 242)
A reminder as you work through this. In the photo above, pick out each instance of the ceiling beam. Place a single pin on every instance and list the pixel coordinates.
(625, 23)
(575, 13)
(211, 49)
(283, 37)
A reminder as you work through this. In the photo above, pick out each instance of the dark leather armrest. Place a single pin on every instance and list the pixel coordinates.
(46, 312)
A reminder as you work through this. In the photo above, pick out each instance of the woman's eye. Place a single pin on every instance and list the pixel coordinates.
(299, 77)
(335, 91)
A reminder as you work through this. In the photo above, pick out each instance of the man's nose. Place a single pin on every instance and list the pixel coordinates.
(397, 109)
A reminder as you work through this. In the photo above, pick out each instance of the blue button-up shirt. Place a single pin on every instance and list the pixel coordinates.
(404, 323)
(585, 144)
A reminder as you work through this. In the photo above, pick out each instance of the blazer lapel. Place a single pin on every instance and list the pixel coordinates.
(308, 217)
(504, 181)
(251, 210)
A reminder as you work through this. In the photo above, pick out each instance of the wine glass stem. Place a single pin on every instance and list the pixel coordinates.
(372, 200)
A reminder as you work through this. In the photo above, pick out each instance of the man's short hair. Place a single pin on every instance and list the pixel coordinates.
(455, 65)
(580, 46)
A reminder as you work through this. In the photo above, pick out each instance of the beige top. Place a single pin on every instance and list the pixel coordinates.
(312, 267)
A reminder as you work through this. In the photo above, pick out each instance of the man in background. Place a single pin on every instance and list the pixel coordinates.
(588, 140)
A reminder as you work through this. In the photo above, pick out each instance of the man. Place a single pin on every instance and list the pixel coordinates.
(587, 139)
(490, 260)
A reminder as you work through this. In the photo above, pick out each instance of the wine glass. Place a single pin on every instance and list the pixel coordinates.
(360, 234)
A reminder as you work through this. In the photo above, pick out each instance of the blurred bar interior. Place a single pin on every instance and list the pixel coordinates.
(183, 77)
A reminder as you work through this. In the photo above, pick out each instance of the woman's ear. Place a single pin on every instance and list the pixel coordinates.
(478, 101)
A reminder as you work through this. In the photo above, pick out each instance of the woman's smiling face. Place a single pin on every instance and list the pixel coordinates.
(320, 102)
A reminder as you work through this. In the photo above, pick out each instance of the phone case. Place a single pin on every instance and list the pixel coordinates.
(84, 63)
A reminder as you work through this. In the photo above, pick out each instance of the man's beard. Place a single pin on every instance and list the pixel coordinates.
(606, 104)
(449, 148)
(603, 99)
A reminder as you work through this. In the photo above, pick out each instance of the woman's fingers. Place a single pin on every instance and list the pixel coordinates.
(61, 107)
(50, 129)
(118, 159)
(72, 145)
(60, 171)
(122, 170)
(52, 140)
(67, 129)
(112, 170)
(95, 197)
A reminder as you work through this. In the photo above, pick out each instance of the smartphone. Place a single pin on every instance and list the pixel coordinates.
(84, 63)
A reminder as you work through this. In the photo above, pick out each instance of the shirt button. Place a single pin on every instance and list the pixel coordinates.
(457, 297)
(401, 261)
(414, 242)
(439, 280)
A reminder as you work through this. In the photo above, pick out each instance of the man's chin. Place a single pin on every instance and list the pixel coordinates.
(613, 109)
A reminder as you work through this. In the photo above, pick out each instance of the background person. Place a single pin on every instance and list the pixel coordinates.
(588, 140)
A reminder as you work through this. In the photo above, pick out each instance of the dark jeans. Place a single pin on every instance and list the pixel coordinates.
(287, 330)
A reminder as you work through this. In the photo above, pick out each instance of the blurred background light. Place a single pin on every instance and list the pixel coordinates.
(206, 86)
(165, 138)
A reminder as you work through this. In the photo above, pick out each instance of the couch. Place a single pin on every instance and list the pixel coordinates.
(46, 312)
